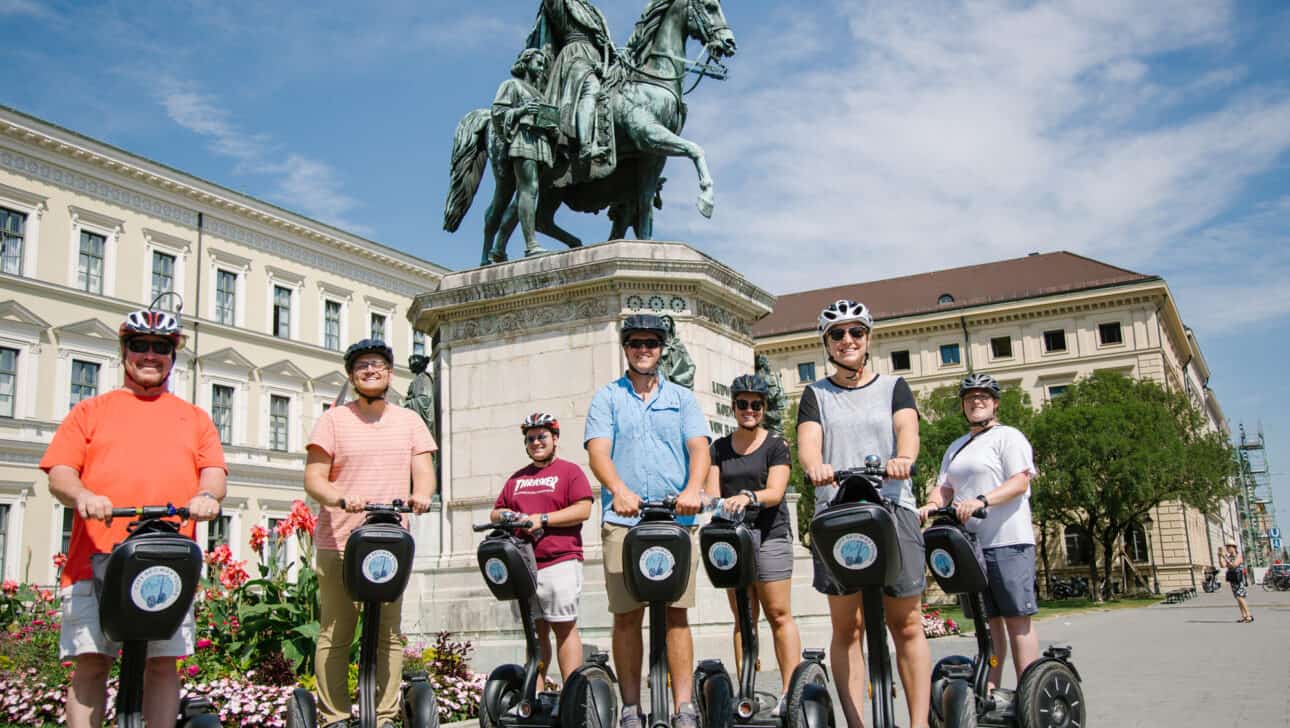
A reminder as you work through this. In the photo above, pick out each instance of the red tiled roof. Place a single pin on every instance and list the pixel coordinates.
(1005, 280)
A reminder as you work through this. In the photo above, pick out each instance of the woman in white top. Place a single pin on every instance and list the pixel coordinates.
(993, 465)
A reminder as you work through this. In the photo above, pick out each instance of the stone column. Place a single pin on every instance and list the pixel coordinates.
(542, 334)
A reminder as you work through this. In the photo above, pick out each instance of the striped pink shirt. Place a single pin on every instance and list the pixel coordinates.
(370, 459)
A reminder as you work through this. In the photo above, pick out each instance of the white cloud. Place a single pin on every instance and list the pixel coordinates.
(303, 184)
(961, 133)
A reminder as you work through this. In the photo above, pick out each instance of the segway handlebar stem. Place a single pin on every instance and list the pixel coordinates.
(167, 511)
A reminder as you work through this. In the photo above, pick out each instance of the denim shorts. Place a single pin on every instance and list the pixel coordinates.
(1010, 571)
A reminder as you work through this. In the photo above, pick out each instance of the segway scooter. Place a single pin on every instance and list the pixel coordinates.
(1211, 583)
(729, 550)
(511, 697)
(146, 588)
(378, 563)
(1048, 694)
(855, 538)
(656, 567)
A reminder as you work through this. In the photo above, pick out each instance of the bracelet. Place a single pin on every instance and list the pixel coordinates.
(208, 494)
(752, 497)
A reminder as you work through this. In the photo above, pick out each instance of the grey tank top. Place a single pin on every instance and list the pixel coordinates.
(856, 423)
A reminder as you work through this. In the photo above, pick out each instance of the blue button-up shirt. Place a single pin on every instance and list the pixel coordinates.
(647, 440)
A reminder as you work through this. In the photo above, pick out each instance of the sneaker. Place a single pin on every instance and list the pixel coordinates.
(631, 718)
(781, 707)
(685, 716)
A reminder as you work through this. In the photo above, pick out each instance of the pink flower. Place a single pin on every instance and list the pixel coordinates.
(302, 518)
(193, 670)
(60, 559)
(234, 575)
(10, 587)
(220, 555)
(204, 643)
(46, 595)
(258, 537)
(285, 528)
(66, 663)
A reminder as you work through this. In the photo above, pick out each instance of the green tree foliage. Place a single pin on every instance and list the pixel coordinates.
(941, 423)
(797, 478)
(1112, 448)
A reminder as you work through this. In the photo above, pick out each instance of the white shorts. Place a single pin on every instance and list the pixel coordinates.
(558, 589)
(81, 634)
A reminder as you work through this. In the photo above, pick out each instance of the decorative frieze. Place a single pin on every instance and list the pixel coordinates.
(526, 320)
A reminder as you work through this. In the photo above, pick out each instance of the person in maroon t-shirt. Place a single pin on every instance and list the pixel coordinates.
(554, 494)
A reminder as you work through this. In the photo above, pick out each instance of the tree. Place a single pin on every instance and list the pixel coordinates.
(1111, 448)
(797, 478)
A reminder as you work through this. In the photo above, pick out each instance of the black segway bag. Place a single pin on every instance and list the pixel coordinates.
(729, 552)
(857, 543)
(378, 559)
(656, 561)
(508, 566)
(148, 583)
(955, 560)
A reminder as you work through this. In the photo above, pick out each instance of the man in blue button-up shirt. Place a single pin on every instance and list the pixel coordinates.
(647, 439)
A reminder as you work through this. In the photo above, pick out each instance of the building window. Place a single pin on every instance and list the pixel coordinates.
(945, 299)
(4, 534)
(331, 325)
(1135, 543)
(806, 371)
(222, 411)
(163, 278)
(217, 532)
(225, 296)
(85, 380)
(1110, 333)
(13, 226)
(378, 326)
(418, 343)
(1079, 547)
(1001, 347)
(8, 382)
(277, 546)
(900, 360)
(949, 354)
(279, 422)
(1055, 340)
(65, 540)
(1056, 390)
(89, 271)
(282, 312)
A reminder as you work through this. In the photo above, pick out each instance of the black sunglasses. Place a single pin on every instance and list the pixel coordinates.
(755, 404)
(139, 346)
(643, 344)
(857, 333)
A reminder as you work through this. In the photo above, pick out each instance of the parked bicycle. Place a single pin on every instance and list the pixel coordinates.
(1058, 588)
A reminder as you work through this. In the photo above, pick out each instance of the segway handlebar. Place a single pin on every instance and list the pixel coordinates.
(950, 512)
(667, 504)
(873, 467)
(166, 511)
(395, 506)
(508, 523)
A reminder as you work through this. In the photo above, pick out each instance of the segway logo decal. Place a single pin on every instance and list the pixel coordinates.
(155, 588)
(380, 566)
(855, 551)
(657, 563)
(942, 563)
(722, 555)
(496, 571)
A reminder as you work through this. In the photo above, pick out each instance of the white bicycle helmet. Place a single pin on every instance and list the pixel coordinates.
(844, 311)
(148, 322)
(540, 419)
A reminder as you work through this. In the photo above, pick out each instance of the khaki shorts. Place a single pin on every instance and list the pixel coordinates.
(621, 600)
(81, 634)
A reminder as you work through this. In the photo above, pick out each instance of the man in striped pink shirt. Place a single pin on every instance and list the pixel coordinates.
(362, 452)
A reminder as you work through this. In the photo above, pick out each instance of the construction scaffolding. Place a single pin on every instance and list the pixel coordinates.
(1261, 537)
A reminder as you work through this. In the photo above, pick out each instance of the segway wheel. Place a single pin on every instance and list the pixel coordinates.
(714, 697)
(500, 693)
(419, 707)
(589, 700)
(301, 710)
(959, 705)
(808, 697)
(1050, 696)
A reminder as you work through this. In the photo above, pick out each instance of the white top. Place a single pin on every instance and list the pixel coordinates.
(995, 456)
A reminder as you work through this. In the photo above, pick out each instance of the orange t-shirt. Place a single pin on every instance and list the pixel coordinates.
(136, 451)
(371, 459)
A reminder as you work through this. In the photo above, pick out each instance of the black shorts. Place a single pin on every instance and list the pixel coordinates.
(1010, 571)
(913, 570)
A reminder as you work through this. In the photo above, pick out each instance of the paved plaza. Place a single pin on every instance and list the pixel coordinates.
(1163, 666)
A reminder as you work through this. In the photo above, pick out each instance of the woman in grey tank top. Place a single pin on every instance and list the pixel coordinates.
(841, 419)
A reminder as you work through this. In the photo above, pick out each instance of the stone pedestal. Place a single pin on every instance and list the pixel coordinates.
(542, 334)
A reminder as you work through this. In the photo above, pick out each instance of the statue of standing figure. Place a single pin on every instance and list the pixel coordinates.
(420, 397)
(576, 33)
(676, 363)
(774, 418)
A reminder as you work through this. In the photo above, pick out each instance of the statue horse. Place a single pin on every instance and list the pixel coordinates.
(645, 100)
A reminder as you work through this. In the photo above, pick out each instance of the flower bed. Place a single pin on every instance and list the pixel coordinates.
(936, 626)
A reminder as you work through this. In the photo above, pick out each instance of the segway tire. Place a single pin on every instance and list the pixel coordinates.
(958, 703)
(500, 693)
(589, 700)
(301, 710)
(419, 707)
(1050, 696)
(808, 701)
(205, 720)
(714, 697)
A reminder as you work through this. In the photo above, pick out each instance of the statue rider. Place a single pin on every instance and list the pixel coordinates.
(774, 418)
(577, 35)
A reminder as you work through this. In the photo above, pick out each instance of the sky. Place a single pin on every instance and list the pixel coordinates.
(901, 136)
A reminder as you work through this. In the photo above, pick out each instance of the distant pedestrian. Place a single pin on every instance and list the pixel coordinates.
(1230, 557)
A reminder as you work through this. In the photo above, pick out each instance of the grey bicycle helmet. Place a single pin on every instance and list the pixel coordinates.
(844, 311)
(979, 381)
(367, 346)
(540, 419)
(749, 384)
(643, 322)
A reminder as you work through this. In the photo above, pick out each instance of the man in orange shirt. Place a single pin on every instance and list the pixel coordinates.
(361, 452)
(137, 445)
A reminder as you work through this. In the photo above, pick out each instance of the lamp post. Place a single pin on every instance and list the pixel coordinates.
(1147, 523)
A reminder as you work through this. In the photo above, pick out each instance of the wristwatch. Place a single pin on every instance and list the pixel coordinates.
(983, 500)
(752, 497)
(208, 494)
(545, 517)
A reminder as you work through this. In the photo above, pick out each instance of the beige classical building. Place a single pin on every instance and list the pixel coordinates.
(271, 299)
(1039, 323)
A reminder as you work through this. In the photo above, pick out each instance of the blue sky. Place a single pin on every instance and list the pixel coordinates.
(903, 136)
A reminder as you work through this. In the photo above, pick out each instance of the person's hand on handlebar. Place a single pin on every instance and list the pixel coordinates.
(688, 502)
(203, 507)
(419, 503)
(626, 503)
(926, 511)
(354, 503)
(965, 508)
(94, 506)
(899, 467)
(821, 474)
(736, 504)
